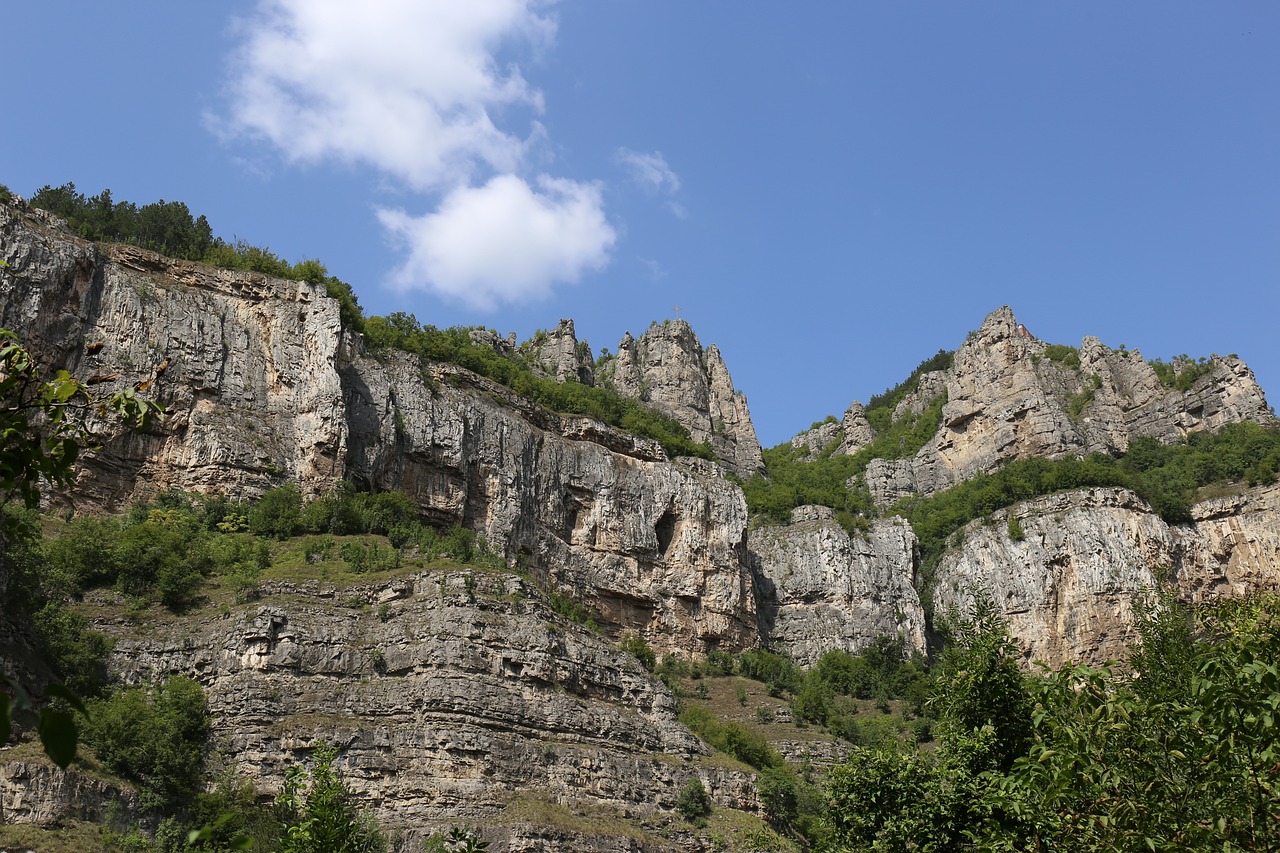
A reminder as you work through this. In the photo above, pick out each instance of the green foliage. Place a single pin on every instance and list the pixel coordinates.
(1014, 526)
(458, 840)
(1067, 356)
(780, 673)
(1165, 476)
(72, 649)
(320, 814)
(1179, 754)
(278, 513)
(888, 401)
(636, 646)
(454, 346)
(887, 800)
(981, 687)
(790, 481)
(1181, 372)
(573, 610)
(44, 426)
(1170, 760)
(694, 803)
(730, 737)
(156, 739)
(1077, 403)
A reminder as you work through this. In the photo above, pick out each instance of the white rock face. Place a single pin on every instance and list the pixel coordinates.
(261, 388)
(668, 369)
(822, 589)
(449, 694)
(244, 364)
(653, 546)
(1068, 586)
(1006, 399)
(559, 355)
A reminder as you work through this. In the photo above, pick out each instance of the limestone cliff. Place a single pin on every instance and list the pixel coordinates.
(1068, 575)
(244, 364)
(650, 545)
(559, 355)
(1011, 396)
(469, 695)
(667, 368)
(262, 387)
(822, 588)
(454, 696)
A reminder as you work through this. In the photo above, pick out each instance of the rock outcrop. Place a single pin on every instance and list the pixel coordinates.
(454, 698)
(650, 545)
(667, 368)
(1068, 571)
(244, 364)
(823, 589)
(465, 696)
(559, 355)
(1011, 396)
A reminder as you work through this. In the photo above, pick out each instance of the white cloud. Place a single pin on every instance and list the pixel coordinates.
(503, 242)
(649, 170)
(407, 86)
(415, 89)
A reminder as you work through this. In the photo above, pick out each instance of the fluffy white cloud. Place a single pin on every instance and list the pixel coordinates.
(414, 88)
(503, 242)
(649, 170)
(407, 86)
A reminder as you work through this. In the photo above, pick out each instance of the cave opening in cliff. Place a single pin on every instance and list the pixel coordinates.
(665, 530)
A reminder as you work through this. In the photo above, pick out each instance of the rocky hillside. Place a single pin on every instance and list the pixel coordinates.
(470, 699)
(1008, 395)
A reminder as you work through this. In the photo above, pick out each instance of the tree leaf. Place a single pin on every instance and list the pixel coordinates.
(58, 734)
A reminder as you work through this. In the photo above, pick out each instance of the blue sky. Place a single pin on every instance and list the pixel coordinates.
(829, 191)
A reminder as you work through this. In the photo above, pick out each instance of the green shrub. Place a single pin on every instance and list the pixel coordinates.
(1064, 355)
(156, 739)
(694, 803)
(76, 652)
(636, 646)
(278, 513)
(729, 737)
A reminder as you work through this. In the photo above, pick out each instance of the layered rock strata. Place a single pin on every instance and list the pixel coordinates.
(261, 387)
(454, 697)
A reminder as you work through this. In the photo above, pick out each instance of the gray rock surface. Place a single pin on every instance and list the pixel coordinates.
(1006, 399)
(451, 694)
(822, 589)
(559, 355)
(667, 368)
(1068, 586)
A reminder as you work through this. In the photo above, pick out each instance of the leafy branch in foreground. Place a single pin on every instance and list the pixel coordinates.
(43, 428)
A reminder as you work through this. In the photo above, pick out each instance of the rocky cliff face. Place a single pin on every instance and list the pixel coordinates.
(1008, 397)
(561, 356)
(244, 364)
(261, 387)
(650, 545)
(455, 697)
(1069, 582)
(824, 589)
(469, 697)
(667, 368)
